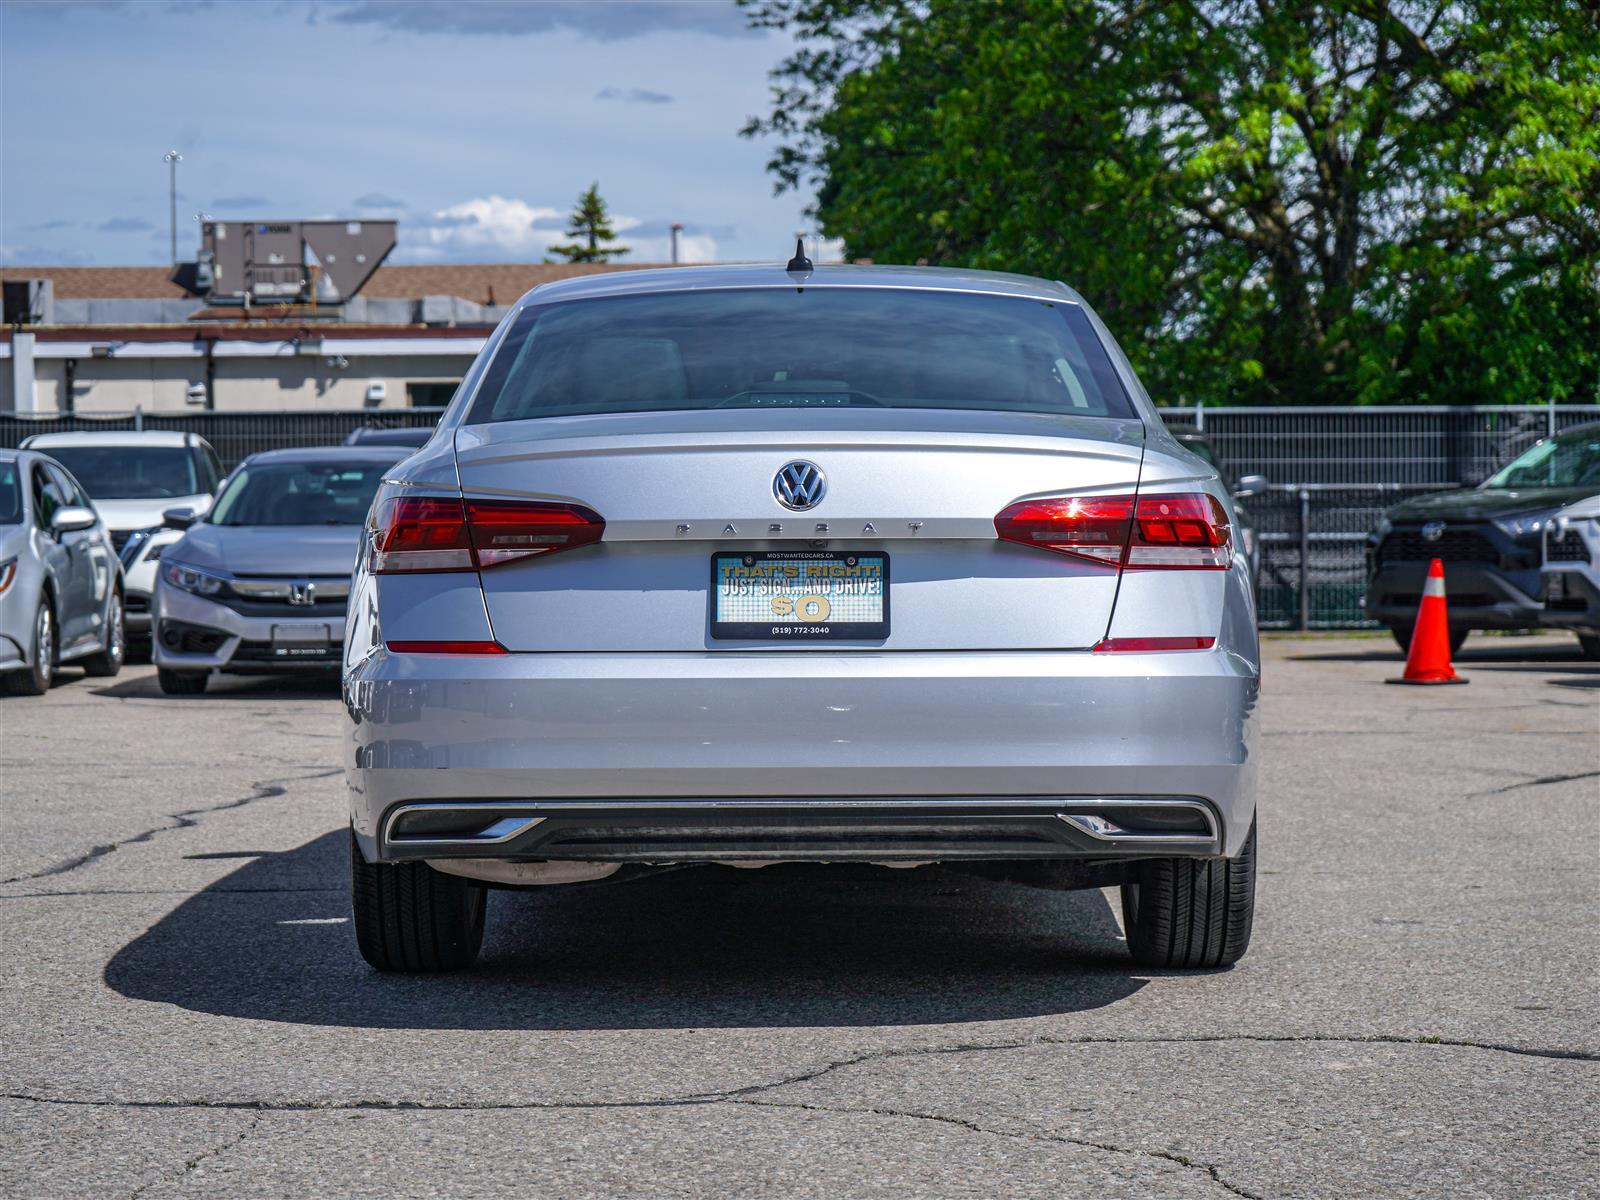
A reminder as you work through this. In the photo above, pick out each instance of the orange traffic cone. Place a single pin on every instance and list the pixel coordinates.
(1428, 660)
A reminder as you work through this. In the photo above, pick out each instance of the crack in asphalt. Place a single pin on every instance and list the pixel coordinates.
(1539, 782)
(191, 1164)
(972, 1126)
(753, 1090)
(758, 1094)
(265, 790)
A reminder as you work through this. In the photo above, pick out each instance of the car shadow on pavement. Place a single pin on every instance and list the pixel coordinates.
(785, 946)
(231, 687)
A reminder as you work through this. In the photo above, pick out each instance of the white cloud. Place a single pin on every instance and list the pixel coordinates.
(501, 229)
(484, 229)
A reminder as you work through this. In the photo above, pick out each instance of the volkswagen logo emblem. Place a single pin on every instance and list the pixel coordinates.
(1433, 531)
(799, 485)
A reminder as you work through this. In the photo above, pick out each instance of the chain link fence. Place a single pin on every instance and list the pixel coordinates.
(1332, 472)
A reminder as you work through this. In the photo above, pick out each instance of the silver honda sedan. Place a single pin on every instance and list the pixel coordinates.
(752, 564)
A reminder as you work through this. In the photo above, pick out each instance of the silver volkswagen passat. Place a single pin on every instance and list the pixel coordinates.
(839, 564)
(60, 580)
(259, 585)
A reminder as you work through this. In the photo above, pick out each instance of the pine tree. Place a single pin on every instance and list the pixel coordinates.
(590, 228)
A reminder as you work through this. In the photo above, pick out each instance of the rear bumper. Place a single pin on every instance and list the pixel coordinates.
(1479, 596)
(830, 829)
(837, 753)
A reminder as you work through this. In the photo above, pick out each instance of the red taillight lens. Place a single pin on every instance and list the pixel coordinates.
(447, 647)
(434, 533)
(503, 530)
(1145, 645)
(1187, 531)
(1091, 527)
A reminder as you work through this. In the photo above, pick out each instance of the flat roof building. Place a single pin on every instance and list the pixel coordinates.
(120, 339)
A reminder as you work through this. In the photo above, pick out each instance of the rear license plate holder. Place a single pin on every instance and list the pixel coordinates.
(300, 641)
(797, 596)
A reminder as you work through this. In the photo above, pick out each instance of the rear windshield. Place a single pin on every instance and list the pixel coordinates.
(330, 493)
(130, 472)
(799, 348)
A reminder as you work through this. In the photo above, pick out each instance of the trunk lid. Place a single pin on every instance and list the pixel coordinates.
(921, 486)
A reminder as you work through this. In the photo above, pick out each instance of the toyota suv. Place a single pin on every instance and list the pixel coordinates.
(1489, 537)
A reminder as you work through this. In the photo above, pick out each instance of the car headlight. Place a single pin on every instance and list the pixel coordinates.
(1381, 530)
(189, 579)
(1526, 524)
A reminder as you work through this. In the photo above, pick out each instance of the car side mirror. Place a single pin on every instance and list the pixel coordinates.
(1250, 485)
(179, 518)
(70, 517)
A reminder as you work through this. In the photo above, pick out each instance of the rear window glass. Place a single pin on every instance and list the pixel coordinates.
(799, 348)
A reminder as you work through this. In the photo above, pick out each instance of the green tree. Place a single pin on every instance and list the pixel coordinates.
(1374, 201)
(590, 228)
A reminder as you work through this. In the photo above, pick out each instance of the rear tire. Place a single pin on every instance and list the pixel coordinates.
(409, 917)
(1590, 644)
(1191, 912)
(36, 680)
(1402, 637)
(181, 683)
(109, 661)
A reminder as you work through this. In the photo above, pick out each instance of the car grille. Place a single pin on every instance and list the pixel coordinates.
(1571, 548)
(1454, 545)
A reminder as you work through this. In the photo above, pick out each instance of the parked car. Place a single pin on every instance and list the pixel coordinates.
(133, 476)
(60, 581)
(259, 585)
(1571, 576)
(746, 564)
(1489, 538)
(366, 436)
(1241, 486)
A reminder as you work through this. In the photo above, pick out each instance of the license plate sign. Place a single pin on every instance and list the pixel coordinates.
(300, 641)
(799, 595)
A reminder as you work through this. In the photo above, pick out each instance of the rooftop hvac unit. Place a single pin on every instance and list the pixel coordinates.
(285, 262)
(29, 301)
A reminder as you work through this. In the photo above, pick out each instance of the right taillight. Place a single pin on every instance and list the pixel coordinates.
(447, 533)
(1181, 531)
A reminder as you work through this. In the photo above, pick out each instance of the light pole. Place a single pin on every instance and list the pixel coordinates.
(172, 158)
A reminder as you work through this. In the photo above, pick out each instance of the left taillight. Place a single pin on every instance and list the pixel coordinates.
(448, 533)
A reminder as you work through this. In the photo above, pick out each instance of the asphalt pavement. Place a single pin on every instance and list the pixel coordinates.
(183, 1013)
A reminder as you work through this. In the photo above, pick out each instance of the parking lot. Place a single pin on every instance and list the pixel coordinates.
(185, 1013)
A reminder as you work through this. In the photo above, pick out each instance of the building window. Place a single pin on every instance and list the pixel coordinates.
(429, 395)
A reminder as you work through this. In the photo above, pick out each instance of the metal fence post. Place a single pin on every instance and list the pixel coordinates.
(1305, 559)
(138, 418)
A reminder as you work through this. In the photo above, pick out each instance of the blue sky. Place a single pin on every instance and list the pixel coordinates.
(475, 122)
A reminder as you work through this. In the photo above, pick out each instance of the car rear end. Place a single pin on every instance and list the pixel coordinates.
(804, 623)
